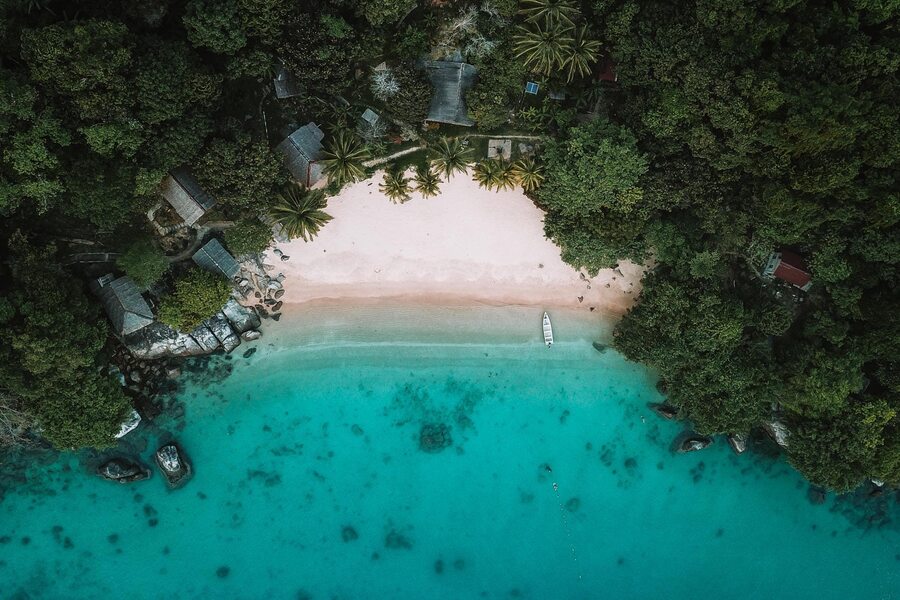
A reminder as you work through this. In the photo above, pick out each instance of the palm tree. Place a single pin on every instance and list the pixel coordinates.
(343, 159)
(299, 212)
(395, 186)
(528, 174)
(506, 177)
(450, 156)
(580, 54)
(544, 46)
(551, 11)
(427, 181)
(494, 173)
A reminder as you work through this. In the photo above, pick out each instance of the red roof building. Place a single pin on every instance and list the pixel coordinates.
(790, 268)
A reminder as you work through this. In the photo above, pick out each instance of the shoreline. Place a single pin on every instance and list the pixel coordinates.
(375, 321)
(466, 247)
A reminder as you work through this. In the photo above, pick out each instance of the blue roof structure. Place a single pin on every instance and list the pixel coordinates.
(531, 88)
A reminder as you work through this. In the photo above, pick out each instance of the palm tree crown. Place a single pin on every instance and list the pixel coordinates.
(395, 186)
(528, 174)
(580, 54)
(427, 181)
(450, 156)
(543, 45)
(494, 173)
(299, 212)
(343, 159)
(553, 11)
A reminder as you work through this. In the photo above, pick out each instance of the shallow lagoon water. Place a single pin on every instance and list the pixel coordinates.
(310, 483)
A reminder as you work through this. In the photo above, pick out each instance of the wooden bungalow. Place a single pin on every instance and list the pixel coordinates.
(302, 151)
(124, 304)
(185, 195)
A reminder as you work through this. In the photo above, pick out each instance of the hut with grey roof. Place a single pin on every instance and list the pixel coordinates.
(451, 81)
(125, 306)
(302, 151)
(184, 193)
(215, 258)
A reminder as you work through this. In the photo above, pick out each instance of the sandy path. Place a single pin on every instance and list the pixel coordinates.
(465, 246)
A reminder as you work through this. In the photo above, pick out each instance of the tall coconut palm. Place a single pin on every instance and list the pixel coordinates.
(494, 173)
(427, 181)
(555, 11)
(395, 186)
(299, 212)
(580, 55)
(543, 46)
(343, 160)
(528, 174)
(450, 156)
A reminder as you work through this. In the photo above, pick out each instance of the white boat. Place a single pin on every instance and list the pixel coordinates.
(548, 331)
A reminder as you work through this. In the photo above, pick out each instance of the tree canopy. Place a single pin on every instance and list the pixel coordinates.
(694, 136)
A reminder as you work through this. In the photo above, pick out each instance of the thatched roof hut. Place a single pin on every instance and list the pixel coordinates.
(302, 151)
(125, 306)
(184, 193)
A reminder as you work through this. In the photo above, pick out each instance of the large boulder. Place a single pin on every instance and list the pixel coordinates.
(241, 317)
(666, 411)
(738, 442)
(691, 442)
(221, 328)
(778, 431)
(123, 470)
(206, 338)
(158, 340)
(174, 465)
(129, 424)
(249, 336)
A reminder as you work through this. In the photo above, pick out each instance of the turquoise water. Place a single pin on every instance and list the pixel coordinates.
(309, 483)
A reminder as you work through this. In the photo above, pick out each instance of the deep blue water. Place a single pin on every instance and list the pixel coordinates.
(310, 483)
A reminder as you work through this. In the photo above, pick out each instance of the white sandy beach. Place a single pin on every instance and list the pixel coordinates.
(465, 246)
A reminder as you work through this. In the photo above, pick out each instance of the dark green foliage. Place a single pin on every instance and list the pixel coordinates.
(841, 449)
(248, 237)
(767, 126)
(592, 195)
(31, 157)
(214, 25)
(735, 128)
(198, 295)
(410, 103)
(695, 337)
(53, 336)
(170, 80)
(85, 61)
(241, 173)
(144, 262)
(384, 12)
(100, 193)
(499, 86)
(320, 53)
(412, 43)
